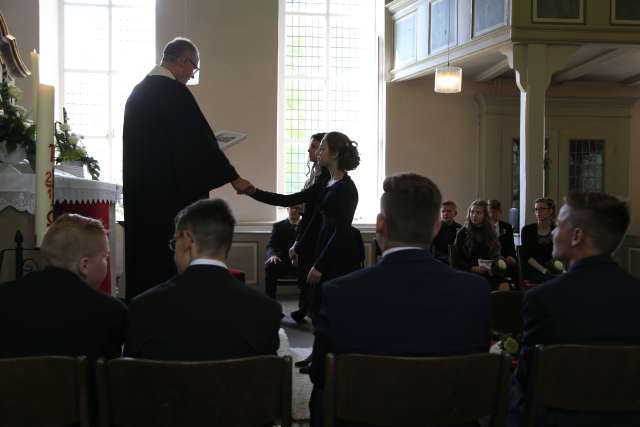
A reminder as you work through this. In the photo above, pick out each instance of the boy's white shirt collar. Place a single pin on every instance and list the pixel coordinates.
(207, 261)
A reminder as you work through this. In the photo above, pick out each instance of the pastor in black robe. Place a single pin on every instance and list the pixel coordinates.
(171, 159)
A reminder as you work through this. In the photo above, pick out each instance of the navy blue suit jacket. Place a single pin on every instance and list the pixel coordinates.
(594, 302)
(409, 304)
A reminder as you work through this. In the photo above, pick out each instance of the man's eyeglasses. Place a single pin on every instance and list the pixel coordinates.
(195, 67)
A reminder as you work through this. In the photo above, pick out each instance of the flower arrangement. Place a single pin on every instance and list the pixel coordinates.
(16, 129)
(70, 149)
(508, 344)
(555, 267)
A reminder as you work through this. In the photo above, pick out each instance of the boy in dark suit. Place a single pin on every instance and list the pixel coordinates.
(594, 302)
(409, 304)
(283, 236)
(194, 316)
(59, 311)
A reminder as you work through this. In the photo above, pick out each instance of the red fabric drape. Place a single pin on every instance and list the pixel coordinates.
(98, 211)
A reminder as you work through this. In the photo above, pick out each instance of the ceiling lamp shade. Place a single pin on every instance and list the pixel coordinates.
(448, 80)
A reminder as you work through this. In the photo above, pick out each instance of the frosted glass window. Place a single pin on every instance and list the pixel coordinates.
(109, 46)
(586, 165)
(330, 79)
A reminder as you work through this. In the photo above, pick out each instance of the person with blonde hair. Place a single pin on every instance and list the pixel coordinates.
(59, 311)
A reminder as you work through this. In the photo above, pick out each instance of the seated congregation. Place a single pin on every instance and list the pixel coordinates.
(404, 342)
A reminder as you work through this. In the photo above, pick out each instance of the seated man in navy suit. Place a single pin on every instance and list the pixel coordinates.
(283, 236)
(59, 311)
(194, 316)
(409, 304)
(594, 302)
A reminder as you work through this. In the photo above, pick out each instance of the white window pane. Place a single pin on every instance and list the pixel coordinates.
(122, 85)
(305, 108)
(133, 38)
(307, 6)
(87, 1)
(86, 97)
(116, 161)
(305, 45)
(100, 149)
(86, 32)
(143, 3)
(353, 8)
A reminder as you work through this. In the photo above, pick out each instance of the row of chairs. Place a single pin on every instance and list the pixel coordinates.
(380, 390)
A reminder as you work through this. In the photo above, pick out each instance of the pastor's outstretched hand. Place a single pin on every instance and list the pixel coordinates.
(242, 186)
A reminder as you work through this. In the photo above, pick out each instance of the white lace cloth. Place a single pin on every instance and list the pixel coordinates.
(18, 190)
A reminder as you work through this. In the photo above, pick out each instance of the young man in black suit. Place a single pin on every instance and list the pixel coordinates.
(194, 316)
(283, 236)
(409, 304)
(504, 231)
(448, 230)
(594, 302)
(59, 311)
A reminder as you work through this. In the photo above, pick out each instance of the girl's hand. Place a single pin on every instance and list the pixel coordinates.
(314, 277)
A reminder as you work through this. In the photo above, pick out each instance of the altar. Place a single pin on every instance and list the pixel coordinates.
(94, 199)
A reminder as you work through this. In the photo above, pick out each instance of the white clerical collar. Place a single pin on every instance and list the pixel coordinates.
(207, 261)
(401, 248)
(159, 70)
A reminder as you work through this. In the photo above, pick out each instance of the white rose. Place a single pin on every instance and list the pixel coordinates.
(501, 264)
(73, 139)
(15, 92)
(558, 265)
(64, 127)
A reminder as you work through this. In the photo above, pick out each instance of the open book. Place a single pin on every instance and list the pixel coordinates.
(227, 138)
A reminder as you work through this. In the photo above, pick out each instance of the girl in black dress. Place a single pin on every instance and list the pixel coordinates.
(302, 250)
(477, 240)
(337, 250)
(537, 241)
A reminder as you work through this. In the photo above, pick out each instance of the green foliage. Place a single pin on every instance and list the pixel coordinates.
(15, 127)
(70, 149)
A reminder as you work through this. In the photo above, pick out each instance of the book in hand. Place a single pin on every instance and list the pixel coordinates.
(227, 138)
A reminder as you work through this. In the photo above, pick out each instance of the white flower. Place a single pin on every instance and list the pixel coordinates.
(64, 127)
(558, 265)
(73, 139)
(15, 92)
(501, 264)
(20, 109)
(1, 112)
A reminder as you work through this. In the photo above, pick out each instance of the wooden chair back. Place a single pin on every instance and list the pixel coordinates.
(506, 312)
(584, 378)
(44, 391)
(403, 391)
(238, 392)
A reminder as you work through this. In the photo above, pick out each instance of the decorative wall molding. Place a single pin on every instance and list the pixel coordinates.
(560, 106)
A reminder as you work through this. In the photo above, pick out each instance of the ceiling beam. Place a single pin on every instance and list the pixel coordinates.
(494, 71)
(589, 66)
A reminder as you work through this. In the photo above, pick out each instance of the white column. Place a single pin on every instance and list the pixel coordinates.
(534, 65)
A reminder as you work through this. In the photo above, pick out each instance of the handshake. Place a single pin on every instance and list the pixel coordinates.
(242, 186)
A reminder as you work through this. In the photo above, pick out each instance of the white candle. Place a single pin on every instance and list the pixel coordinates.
(45, 156)
(35, 81)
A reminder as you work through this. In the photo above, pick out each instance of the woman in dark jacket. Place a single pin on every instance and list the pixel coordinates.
(537, 241)
(477, 240)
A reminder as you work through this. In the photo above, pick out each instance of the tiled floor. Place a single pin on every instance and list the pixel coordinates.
(300, 336)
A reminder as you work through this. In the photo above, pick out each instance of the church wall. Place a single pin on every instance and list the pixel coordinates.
(436, 135)
(238, 42)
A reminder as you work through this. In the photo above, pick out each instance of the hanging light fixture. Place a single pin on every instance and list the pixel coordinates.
(448, 79)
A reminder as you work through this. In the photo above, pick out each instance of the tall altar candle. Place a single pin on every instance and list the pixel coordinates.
(45, 156)
(35, 81)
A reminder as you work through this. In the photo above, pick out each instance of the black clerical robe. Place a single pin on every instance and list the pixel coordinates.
(171, 159)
